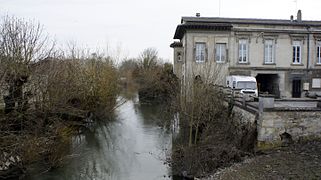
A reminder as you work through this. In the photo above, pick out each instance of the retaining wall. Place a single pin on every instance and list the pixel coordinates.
(273, 123)
(300, 124)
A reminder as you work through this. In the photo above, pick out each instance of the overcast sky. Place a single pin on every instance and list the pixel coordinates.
(133, 25)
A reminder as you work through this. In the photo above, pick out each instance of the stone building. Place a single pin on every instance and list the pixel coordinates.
(283, 55)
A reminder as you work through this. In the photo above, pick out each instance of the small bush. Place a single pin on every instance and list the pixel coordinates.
(213, 137)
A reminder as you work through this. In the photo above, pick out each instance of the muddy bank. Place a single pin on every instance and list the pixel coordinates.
(296, 161)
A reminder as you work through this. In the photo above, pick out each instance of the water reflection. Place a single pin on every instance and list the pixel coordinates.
(132, 147)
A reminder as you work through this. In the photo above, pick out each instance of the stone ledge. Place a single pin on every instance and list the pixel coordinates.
(283, 109)
(297, 100)
(263, 145)
(267, 145)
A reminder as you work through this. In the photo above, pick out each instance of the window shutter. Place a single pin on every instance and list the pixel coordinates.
(215, 48)
(206, 54)
(227, 55)
(194, 53)
(299, 55)
(293, 59)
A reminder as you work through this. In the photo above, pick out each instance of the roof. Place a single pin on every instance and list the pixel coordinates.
(226, 24)
(250, 21)
(176, 44)
(181, 29)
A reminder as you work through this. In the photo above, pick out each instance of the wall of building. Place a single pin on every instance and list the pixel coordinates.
(283, 37)
(178, 63)
(256, 34)
(283, 47)
(210, 71)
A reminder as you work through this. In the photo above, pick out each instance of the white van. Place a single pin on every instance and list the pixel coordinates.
(243, 84)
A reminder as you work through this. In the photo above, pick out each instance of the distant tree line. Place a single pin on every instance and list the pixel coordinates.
(154, 78)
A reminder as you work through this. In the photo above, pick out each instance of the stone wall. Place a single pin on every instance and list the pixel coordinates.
(300, 124)
(281, 124)
(245, 114)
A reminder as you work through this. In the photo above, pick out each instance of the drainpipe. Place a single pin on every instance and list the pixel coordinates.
(308, 54)
(185, 70)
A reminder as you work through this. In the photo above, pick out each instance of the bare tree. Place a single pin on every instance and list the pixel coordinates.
(200, 95)
(148, 58)
(21, 44)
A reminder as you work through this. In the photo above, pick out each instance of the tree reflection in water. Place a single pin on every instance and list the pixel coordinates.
(132, 146)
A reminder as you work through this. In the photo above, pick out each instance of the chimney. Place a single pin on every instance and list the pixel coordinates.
(291, 18)
(299, 16)
(198, 14)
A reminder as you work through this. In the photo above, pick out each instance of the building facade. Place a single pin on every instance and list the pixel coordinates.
(283, 55)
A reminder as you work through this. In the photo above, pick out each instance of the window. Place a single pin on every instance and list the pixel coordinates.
(200, 52)
(268, 52)
(319, 52)
(179, 56)
(220, 52)
(246, 85)
(296, 52)
(316, 83)
(243, 51)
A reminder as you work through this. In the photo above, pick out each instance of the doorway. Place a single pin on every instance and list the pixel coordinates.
(268, 84)
(296, 88)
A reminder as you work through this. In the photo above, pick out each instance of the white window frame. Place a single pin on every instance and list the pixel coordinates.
(200, 52)
(243, 48)
(318, 52)
(220, 52)
(269, 51)
(296, 52)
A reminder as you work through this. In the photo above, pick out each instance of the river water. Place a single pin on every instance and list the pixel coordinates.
(134, 146)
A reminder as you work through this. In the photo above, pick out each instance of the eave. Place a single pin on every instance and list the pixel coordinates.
(176, 44)
(181, 29)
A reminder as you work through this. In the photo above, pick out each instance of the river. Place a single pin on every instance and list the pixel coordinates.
(134, 146)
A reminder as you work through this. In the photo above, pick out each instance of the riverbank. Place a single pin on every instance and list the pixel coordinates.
(31, 137)
(45, 107)
(296, 161)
